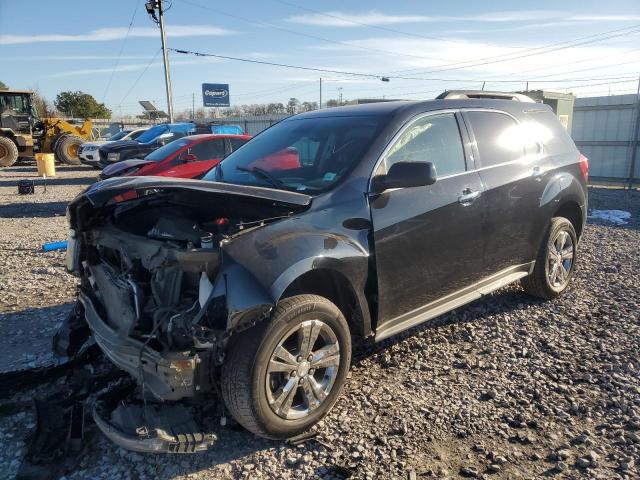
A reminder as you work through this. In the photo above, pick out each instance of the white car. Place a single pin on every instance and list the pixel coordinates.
(88, 151)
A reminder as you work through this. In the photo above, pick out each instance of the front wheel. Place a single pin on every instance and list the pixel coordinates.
(66, 149)
(283, 375)
(556, 261)
(8, 152)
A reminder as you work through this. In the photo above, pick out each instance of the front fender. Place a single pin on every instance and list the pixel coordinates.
(258, 266)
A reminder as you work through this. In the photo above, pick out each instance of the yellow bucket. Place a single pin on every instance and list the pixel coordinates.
(46, 164)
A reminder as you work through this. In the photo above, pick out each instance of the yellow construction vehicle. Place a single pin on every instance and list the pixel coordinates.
(23, 133)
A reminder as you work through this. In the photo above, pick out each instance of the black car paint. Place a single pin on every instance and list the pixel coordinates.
(397, 252)
(127, 149)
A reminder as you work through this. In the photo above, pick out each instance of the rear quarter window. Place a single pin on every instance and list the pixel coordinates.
(552, 135)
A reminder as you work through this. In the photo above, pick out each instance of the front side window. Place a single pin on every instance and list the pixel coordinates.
(435, 139)
(302, 154)
(499, 137)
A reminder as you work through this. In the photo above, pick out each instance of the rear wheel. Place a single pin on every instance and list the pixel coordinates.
(556, 261)
(8, 152)
(282, 376)
(66, 149)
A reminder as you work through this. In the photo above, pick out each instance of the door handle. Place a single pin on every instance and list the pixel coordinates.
(468, 196)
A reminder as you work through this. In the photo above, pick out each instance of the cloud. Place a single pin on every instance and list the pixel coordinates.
(132, 67)
(344, 19)
(109, 34)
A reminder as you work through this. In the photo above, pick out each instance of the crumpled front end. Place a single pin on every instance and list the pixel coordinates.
(158, 297)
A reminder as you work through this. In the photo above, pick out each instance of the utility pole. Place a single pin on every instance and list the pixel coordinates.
(151, 7)
(320, 104)
(339, 96)
(193, 106)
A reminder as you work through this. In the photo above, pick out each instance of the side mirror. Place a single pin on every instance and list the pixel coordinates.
(188, 157)
(405, 175)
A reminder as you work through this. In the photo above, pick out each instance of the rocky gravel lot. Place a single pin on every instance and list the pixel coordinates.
(506, 387)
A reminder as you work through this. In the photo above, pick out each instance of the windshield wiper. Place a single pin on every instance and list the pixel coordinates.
(259, 172)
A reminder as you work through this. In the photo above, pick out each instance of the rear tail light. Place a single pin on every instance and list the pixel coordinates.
(584, 166)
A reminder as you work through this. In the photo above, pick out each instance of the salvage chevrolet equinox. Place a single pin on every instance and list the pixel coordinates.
(248, 286)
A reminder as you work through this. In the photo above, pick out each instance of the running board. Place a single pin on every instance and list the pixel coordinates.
(453, 300)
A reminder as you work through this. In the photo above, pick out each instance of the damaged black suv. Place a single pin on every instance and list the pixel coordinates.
(358, 221)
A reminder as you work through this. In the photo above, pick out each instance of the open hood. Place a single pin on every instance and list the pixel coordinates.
(101, 193)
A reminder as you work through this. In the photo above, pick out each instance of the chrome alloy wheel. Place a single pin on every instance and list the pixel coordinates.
(302, 369)
(560, 259)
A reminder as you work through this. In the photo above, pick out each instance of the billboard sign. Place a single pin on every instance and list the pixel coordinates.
(215, 95)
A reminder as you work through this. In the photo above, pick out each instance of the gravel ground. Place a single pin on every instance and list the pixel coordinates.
(506, 387)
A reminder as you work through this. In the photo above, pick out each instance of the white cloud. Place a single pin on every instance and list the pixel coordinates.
(109, 34)
(344, 19)
(132, 67)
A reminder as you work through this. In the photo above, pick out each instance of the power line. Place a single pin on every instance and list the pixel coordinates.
(124, 41)
(495, 59)
(371, 75)
(140, 76)
(534, 51)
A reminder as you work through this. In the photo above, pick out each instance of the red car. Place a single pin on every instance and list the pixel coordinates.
(187, 157)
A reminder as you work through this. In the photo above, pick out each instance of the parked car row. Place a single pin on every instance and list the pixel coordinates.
(175, 150)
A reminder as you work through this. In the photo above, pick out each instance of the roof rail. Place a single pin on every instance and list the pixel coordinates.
(480, 94)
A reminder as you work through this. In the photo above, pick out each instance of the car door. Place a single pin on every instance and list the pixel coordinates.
(207, 154)
(427, 240)
(514, 174)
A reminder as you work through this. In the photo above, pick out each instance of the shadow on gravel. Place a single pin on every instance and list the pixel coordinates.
(30, 167)
(29, 210)
(474, 312)
(27, 334)
(51, 182)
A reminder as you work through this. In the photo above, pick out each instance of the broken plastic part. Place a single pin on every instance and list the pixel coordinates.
(151, 428)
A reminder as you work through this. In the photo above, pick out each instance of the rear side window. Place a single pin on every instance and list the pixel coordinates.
(550, 132)
(498, 137)
(435, 139)
(236, 143)
(208, 150)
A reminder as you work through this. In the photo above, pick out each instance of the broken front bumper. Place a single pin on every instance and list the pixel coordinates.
(172, 376)
(152, 428)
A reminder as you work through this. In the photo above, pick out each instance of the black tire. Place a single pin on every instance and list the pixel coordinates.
(8, 152)
(538, 283)
(66, 149)
(244, 373)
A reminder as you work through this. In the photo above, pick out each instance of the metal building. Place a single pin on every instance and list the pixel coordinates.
(605, 129)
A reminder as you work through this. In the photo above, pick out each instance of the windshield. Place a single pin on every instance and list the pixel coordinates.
(119, 135)
(14, 103)
(166, 151)
(152, 133)
(306, 154)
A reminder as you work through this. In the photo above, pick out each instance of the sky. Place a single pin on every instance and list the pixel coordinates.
(112, 49)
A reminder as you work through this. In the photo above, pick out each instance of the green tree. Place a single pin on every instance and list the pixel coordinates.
(81, 105)
(3, 86)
